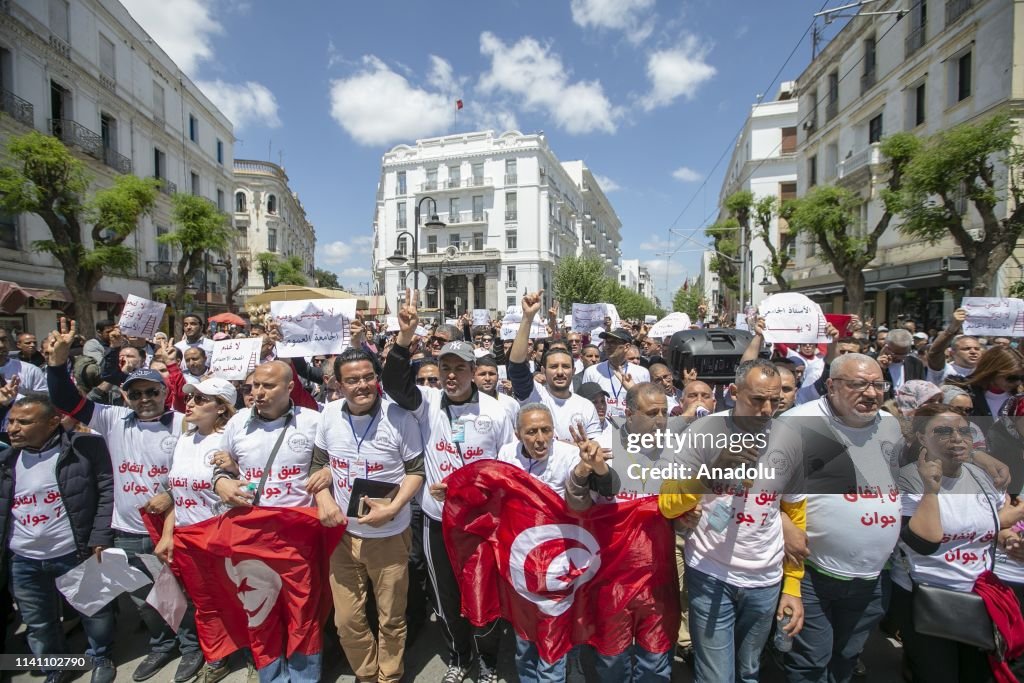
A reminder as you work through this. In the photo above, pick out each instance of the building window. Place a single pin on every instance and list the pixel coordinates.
(787, 191)
(159, 164)
(401, 183)
(8, 231)
(163, 251)
(195, 183)
(478, 207)
(403, 247)
(240, 202)
(193, 129)
(788, 140)
(401, 216)
(917, 105)
(272, 239)
(272, 204)
(158, 101)
(511, 178)
(401, 279)
(431, 180)
(431, 244)
(454, 240)
(510, 276)
(510, 301)
(220, 199)
(812, 171)
(478, 241)
(511, 209)
(220, 152)
(832, 106)
(108, 131)
(107, 63)
(478, 173)
(812, 107)
(963, 77)
(875, 129)
(453, 210)
(454, 176)
(867, 79)
(59, 19)
(511, 239)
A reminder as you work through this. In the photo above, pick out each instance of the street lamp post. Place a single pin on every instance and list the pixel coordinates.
(763, 283)
(400, 259)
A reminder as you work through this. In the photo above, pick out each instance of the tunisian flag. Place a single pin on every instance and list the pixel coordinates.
(258, 577)
(605, 577)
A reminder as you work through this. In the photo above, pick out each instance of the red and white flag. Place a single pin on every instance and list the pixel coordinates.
(458, 104)
(258, 577)
(606, 577)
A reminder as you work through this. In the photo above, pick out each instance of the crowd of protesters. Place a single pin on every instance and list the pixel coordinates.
(99, 430)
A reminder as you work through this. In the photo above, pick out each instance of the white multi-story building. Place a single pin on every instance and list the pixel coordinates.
(708, 282)
(506, 211)
(85, 72)
(270, 219)
(764, 162)
(637, 278)
(943, 63)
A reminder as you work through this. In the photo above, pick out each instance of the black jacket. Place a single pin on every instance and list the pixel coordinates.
(85, 480)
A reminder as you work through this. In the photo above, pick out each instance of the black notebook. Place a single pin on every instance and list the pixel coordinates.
(370, 489)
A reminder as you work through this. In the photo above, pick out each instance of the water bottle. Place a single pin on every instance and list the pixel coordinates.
(783, 641)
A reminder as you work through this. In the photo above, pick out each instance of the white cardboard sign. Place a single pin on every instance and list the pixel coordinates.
(140, 317)
(235, 358)
(588, 317)
(989, 316)
(792, 318)
(313, 327)
(669, 325)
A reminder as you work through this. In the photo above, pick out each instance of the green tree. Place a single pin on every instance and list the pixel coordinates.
(755, 217)
(726, 242)
(234, 288)
(41, 176)
(830, 217)
(201, 230)
(686, 300)
(628, 303)
(266, 265)
(325, 278)
(290, 271)
(967, 164)
(579, 280)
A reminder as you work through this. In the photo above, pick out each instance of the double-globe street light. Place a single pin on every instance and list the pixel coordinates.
(400, 259)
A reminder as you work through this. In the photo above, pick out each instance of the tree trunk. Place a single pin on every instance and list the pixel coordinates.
(179, 305)
(81, 306)
(853, 279)
(983, 271)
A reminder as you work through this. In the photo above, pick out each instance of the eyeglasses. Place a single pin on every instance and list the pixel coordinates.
(246, 389)
(860, 386)
(200, 399)
(424, 380)
(148, 393)
(487, 340)
(946, 433)
(353, 382)
(438, 341)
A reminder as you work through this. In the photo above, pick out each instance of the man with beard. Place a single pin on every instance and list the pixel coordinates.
(31, 379)
(556, 393)
(192, 326)
(485, 377)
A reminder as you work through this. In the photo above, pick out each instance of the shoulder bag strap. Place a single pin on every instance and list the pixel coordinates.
(995, 517)
(270, 461)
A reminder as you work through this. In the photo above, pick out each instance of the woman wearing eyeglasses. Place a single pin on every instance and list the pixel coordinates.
(998, 376)
(952, 514)
(209, 406)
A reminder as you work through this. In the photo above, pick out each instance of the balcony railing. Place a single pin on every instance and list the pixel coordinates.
(831, 109)
(116, 161)
(511, 215)
(453, 217)
(20, 110)
(870, 155)
(60, 46)
(165, 186)
(956, 9)
(914, 41)
(867, 81)
(453, 184)
(161, 272)
(429, 186)
(511, 179)
(74, 134)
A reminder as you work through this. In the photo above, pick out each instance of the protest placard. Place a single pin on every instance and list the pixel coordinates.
(311, 327)
(140, 317)
(792, 318)
(588, 317)
(989, 316)
(235, 358)
(669, 325)
(538, 330)
(481, 316)
(392, 324)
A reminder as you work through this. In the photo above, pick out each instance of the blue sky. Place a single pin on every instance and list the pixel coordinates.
(649, 93)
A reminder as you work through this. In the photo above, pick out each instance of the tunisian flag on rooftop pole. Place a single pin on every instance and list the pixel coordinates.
(258, 577)
(606, 577)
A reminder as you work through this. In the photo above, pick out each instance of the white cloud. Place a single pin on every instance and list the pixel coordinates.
(335, 252)
(183, 28)
(655, 244)
(378, 106)
(676, 72)
(356, 272)
(606, 183)
(629, 16)
(243, 103)
(363, 242)
(686, 175)
(537, 78)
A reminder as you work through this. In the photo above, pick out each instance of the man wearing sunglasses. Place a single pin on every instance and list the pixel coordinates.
(441, 336)
(141, 437)
(428, 375)
(611, 373)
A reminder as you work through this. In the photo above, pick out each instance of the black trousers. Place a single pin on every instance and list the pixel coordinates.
(461, 637)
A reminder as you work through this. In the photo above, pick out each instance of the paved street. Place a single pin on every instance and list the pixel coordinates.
(423, 661)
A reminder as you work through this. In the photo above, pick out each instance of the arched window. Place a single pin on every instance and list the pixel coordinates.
(240, 202)
(271, 203)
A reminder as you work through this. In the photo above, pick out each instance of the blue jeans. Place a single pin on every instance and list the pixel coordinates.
(838, 618)
(635, 665)
(729, 627)
(532, 669)
(33, 585)
(298, 668)
(162, 638)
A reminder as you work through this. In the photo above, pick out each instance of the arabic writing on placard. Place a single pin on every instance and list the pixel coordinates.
(311, 327)
(538, 330)
(481, 316)
(669, 325)
(140, 317)
(587, 317)
(235, 358)
(989, 316)
(792, 318)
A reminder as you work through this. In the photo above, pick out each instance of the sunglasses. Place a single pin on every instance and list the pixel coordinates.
(246, 389)
(148, 393)
(200, 399)
(425, 380)
(438, 341)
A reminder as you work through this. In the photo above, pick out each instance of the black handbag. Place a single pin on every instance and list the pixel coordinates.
(956, 615)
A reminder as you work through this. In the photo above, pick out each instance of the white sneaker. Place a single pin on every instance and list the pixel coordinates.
(487, 674)
(454, 674)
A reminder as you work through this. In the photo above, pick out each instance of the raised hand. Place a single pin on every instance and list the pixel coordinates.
(625, 379)
(930, 472)
(357, 330)
(531, 303)
(592, 456)
(408, 318)
(9, 391)
(60, 342)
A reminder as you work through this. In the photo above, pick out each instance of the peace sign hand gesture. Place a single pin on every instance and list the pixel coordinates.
(60, 342)
(592, 456)
(9, 391)
(625, 379)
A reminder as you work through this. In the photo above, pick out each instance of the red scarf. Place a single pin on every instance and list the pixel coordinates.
(1004, 609)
